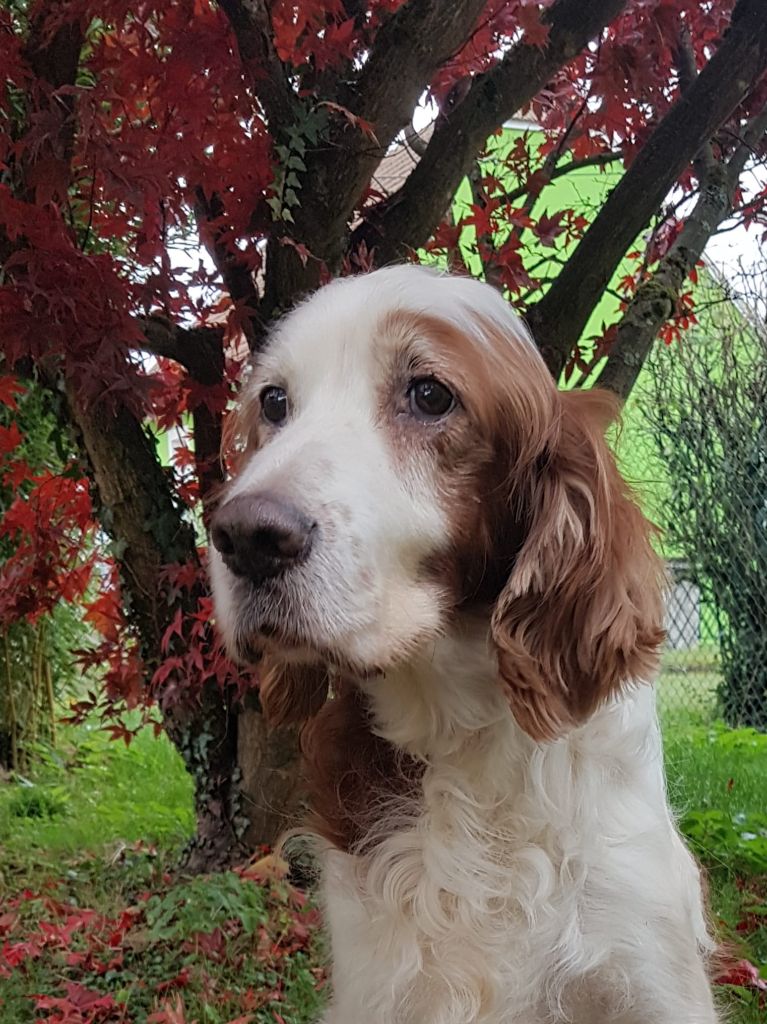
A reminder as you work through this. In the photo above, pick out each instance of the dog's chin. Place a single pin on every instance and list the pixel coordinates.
(277, 646)
(253, 648)
(362, 652)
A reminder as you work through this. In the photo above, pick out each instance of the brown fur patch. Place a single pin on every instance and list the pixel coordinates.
(290, 694)
(242, 430)
(582, 614)
(355, 778)
(506, 403)
(539, 518)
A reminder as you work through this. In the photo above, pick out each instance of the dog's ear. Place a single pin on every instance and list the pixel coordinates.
(290, 694)
(581, 614)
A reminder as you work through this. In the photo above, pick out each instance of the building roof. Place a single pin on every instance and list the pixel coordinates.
(396, 166)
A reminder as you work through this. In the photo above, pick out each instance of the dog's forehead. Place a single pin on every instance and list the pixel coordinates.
(336, 334)
(352, 326)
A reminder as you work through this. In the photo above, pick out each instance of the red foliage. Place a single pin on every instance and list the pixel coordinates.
(49, 525)
(194, 652)
(109, 178)
(744, 974)
(86, 961)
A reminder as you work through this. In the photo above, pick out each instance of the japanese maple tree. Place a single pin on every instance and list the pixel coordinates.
(136, 135)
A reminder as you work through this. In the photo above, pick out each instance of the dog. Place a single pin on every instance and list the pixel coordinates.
(425, 527)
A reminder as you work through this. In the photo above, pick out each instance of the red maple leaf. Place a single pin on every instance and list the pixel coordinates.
(9, 388)
(744, 974)
(10, 439)
(529, 19)
(549, 227)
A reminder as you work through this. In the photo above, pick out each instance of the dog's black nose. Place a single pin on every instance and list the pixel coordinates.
(259, 535)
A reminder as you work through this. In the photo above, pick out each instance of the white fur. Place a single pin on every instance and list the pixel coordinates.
(533, 883)
(523, 883)
(375, 522)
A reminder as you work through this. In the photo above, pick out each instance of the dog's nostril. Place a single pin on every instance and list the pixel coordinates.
(222, 540)
(286, 542)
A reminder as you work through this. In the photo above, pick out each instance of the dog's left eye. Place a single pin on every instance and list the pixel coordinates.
(274, 404)
(430, 399)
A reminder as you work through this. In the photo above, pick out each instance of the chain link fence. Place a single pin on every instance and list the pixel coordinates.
(691, 667)
(696, 446)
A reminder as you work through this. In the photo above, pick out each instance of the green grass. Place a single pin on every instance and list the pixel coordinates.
(88, 844)
(93, 791)
(717, 780)
(688, 683)
(116, 942)
(89, 898)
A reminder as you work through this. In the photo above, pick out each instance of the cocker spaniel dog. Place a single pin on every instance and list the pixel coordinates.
(425, 528)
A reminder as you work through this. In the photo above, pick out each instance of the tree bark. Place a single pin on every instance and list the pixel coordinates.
(656, 298)
(405, 220)
(252, 27)
(270, 781)
(137, 510)
(416, 40)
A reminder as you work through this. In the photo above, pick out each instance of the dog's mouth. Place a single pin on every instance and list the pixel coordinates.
(274, 622)
(276, 625)
(263, 625)
(275, 643)
(252, 646)
(269, 639)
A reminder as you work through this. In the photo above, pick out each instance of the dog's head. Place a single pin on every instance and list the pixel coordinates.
(407, 457)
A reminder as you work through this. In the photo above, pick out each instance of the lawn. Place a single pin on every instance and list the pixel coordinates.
(94, 929)
(688, 683)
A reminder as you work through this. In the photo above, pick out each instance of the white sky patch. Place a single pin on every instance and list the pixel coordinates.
(736, 250)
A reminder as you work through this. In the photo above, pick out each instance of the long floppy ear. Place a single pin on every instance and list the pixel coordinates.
(290, 694)
(581, 614)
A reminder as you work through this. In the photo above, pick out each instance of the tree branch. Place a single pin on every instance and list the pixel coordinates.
(54, 59)
(687, 70)
(485, 246)
(595, 160)
(406, 219)
(200, 350)
(407, 50)
(190, 347)
(418, 39)
(754, 133)
(414, 140)
(252, 29)
(656, 297)
(235, 273)
(559, 318)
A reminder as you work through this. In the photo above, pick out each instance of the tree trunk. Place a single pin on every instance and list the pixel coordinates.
(269, 776)
(245, 782)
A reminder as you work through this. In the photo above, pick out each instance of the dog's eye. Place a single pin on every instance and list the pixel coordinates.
(274, 404)
(430, 400)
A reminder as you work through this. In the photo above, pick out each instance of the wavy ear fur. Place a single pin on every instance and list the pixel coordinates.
(581, 614)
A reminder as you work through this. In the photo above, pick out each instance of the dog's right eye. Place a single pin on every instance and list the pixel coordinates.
(430, 399)
(274, 404)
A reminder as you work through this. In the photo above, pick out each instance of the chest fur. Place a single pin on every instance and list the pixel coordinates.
(441, 919)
